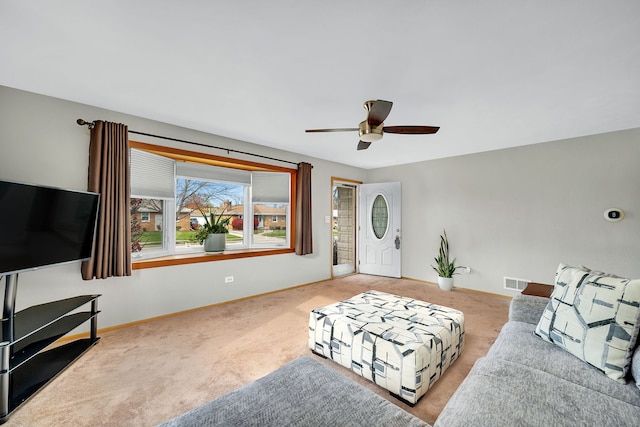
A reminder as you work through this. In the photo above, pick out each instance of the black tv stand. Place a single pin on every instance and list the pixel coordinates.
(27, 363)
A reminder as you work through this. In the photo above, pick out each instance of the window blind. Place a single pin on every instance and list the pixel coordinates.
(152, 176)
(270, 187)
(213, 173)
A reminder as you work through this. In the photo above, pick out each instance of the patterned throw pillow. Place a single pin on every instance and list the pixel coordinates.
(594, 317)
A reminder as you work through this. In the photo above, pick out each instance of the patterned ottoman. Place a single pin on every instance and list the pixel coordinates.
(401, 344)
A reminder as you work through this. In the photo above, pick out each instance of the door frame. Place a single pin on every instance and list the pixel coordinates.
(356, 184)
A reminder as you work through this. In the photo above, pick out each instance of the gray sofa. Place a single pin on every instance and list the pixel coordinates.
(525, 381)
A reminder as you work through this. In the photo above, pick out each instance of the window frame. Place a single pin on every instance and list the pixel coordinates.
(229, 246)
(168, 233)
(213, 160)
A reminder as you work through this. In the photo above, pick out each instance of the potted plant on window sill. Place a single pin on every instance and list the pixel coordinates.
(213, 233)
(445, 268)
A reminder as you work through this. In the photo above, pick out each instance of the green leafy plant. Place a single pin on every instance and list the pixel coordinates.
(444, 267)
(213, 224)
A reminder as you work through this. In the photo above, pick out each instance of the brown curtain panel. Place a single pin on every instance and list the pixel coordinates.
(304, 241)
(109, 176)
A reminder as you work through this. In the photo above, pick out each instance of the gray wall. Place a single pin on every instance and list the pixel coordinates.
(516, 212)
(41, 143)
(520, 212)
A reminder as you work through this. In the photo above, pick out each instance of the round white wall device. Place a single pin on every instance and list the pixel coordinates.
(613, 214)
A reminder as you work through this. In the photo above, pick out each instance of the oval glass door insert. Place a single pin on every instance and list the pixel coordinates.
(380, 216)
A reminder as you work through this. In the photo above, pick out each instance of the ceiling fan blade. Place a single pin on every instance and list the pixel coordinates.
(411, 129)
(363, 145)
(378, 112)
(332, 130)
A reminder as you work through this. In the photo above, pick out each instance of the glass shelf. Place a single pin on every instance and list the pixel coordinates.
(34, 318)
(27, 347)
(39, 370)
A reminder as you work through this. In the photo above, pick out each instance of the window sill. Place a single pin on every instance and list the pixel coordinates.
(205, 257)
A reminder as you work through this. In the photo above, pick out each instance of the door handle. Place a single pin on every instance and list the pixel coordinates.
(397, 242)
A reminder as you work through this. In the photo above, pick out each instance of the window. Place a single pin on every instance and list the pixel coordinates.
(270, 200)
(179, 189)
(147, 225)
(152, 192)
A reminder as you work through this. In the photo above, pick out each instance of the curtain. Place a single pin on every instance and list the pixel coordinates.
(109, 176)
(304, 241)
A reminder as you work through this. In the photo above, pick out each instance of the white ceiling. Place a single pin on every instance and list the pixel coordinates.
(492, 74)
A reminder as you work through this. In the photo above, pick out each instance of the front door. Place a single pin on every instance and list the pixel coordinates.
(380, 229)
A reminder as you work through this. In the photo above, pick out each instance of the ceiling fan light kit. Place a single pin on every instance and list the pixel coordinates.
(368, 133)
(372, 128)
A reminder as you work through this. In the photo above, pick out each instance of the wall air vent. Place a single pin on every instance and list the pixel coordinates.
(514, 284)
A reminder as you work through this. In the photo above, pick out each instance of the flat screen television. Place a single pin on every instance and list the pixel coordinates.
(44, 226)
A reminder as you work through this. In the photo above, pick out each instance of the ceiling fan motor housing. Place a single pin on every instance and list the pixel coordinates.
(370, 133)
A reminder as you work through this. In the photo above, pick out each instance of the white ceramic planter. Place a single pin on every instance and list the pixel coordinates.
(215, 242)
(445, 283)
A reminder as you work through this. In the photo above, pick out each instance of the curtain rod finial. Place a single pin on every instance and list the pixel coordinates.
(82, 122)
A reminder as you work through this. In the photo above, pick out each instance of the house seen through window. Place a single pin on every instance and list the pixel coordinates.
(170, 199)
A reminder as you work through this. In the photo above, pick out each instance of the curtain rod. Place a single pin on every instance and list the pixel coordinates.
(90, 125)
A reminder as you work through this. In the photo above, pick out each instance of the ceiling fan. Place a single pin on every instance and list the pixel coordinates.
(372, 128)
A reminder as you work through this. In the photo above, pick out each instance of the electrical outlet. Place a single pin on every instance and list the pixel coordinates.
(228, 279)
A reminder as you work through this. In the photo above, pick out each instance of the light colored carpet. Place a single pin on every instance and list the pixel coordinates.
(148, 373)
